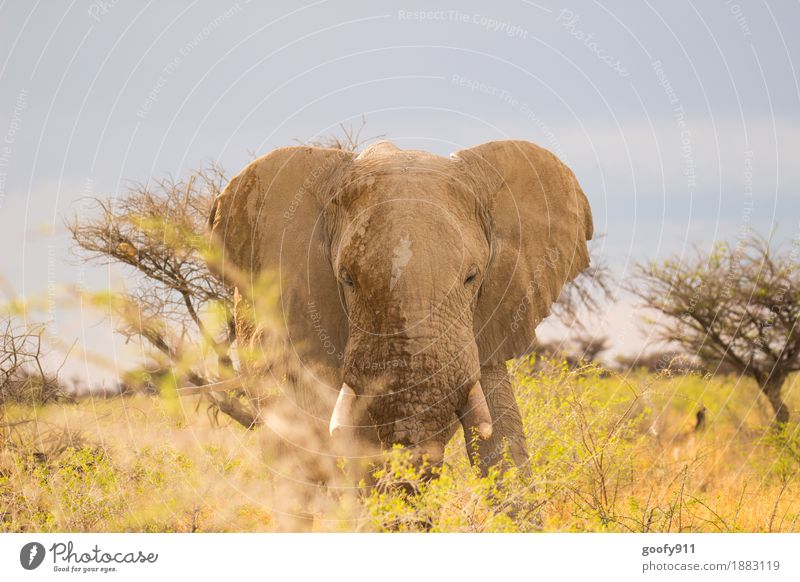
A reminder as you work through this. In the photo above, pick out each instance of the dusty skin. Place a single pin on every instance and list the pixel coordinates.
(407, 280)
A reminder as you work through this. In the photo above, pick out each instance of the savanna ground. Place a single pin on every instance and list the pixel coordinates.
(609, 453)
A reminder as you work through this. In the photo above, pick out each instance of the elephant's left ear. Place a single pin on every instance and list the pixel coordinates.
(541, 221)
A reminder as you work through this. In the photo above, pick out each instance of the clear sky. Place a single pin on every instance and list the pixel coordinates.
(681, 119)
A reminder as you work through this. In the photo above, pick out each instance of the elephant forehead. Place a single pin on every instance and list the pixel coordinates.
(410, 176)
(407, 234)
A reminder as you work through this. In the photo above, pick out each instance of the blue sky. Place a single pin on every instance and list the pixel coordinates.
(680, 119)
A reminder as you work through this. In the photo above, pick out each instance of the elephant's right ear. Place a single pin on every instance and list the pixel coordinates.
(270, 219)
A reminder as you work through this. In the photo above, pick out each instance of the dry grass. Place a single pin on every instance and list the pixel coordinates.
(608, 454)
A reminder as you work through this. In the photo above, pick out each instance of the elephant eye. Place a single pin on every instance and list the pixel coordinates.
(471, 276)
(345, 278)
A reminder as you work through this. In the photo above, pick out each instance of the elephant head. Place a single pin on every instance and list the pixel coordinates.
(404, 273)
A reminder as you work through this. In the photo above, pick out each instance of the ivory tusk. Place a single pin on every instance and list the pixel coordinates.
(342, 416)
(476, 413)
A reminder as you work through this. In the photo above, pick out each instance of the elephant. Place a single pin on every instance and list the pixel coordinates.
(406, 282)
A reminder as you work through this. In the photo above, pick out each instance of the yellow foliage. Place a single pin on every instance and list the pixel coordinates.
(608, 453)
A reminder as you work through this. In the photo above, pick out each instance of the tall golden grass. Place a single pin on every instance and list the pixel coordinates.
(608, 453)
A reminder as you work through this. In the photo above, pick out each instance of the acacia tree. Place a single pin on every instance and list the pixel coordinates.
(737, 306)
(589, 347)
(158, 231)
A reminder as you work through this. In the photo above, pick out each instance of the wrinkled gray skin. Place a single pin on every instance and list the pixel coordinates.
(410, 277)
(410, 252)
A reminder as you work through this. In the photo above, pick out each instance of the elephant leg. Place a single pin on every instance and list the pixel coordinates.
(506, 423)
